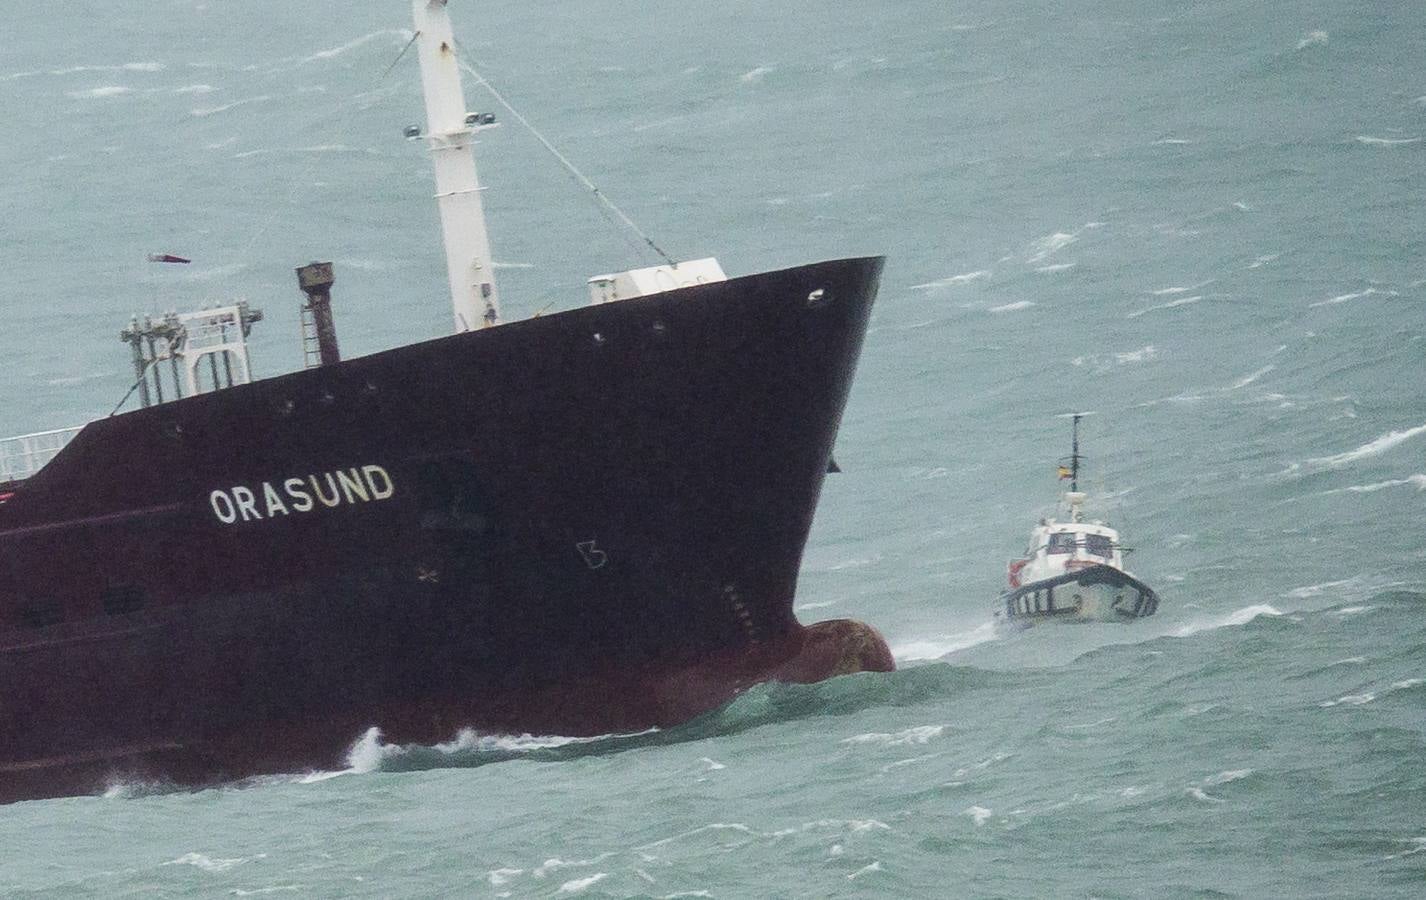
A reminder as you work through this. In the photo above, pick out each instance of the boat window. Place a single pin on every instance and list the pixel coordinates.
(1062, 542)
(1099, 545)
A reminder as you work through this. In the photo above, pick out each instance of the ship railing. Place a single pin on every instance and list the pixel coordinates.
(23, 456)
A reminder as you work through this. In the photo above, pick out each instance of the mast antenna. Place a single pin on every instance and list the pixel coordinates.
(448, 134)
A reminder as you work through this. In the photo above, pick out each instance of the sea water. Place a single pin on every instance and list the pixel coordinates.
(1202, 221)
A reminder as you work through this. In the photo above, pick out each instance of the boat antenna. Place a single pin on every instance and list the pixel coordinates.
(1075, 458)
(449, 128)
(563, 160)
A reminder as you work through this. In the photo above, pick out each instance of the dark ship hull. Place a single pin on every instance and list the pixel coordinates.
(581, 523)
(1092, 594)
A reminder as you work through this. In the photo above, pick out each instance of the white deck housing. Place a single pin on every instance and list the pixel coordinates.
(654, 280)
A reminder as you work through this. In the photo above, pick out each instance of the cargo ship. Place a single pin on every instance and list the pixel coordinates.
(580, 523)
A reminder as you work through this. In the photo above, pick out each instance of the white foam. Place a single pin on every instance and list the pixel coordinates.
(712, 764)
(1312, 39)
(1226, 777)
(756, 75)
(1169, 291)
(353, 44)
(919, 735)
(211, 864)
(498, 877)
(1419, 846)
(978, 813)
(1344, 298)
(1386, 142)
(578, 885)
(1411, 481)
(1407, 684)
(195, 89)
(1171, 142)
(865, 870)
(111, 90)
(943, 646)
(1182, 301)
(1198, 794)
(952, 281)
(1013, 307)
(1316, 590)
(1263, 260)
(1051, 244)
(1056, 267)
(1368, 450)
(1249, 379)
(214, 110)
(1238, 617)
(1349, 700)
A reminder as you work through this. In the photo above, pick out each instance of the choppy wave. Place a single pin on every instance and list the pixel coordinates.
(1373, 448)
(1371, 141)
(952, 281)
(1237, 617)
(1182, 301)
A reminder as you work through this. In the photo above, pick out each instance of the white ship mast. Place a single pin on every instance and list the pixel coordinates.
(448, 132)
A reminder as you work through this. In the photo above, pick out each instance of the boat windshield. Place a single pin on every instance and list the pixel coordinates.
(1061, 542)
(1100, 545)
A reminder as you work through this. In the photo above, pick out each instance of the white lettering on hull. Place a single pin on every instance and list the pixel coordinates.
(271, 499)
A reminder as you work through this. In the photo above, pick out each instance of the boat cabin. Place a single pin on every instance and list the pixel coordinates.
(1057, 548)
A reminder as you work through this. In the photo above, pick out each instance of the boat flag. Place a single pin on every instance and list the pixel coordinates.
(1065, 473)
(167, 258)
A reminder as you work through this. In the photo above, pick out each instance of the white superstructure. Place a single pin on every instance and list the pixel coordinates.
(1058, 548)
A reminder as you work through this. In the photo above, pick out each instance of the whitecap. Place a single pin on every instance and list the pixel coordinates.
(111, 90)
(756, 75)
(1164, 292)
(353, 44)
(1198, 794)
(498, 877)
(1417, 481)
(1316, 590)
(939, 647)
(1349, 700)
(195, 89)
(1250, 378)
(921, 734)
(1238, 617)
(1343, 298)
(1012, 307)
(865, 870)
(578, 885)
(1372, 448)
(951, 281)
(1386, 142)
(1050, 244)
(1226, 777)
(1056, 267)
(978, 813)
(1263, 260)
(1182, 301)
(212, 864)
(204, 112)
(1312, 39)
(1171, 142)
(712, 764)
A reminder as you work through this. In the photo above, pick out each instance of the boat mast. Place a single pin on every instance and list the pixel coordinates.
(448, 133)
(1074, 455)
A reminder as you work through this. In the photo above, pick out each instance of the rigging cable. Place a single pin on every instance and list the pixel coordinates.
(563, 160)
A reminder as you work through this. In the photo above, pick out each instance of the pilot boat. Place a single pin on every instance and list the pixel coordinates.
(1073, 569)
